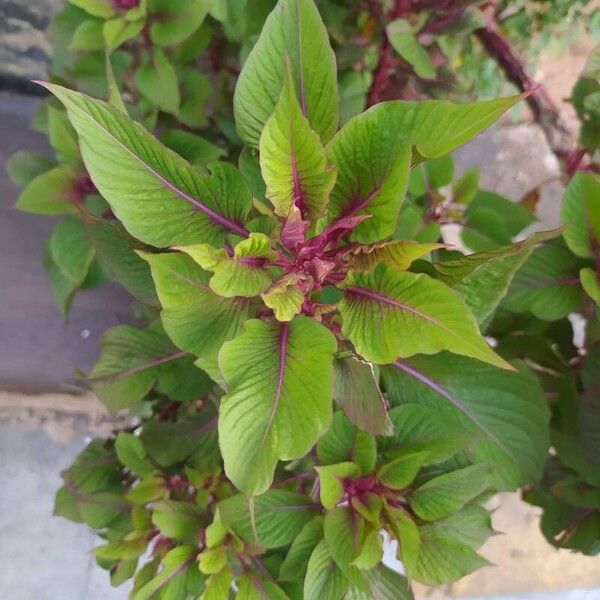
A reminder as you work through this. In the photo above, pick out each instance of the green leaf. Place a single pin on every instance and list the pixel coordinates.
(576, 493)
(183, 381)
(63, 289)
(216, 532)
(344, 533)
(443, 560)
(176, 20)
(294, 29)
(95, 468)
(145, 574)
(97, 8)
(118, 31)
(466, 187)
(285, 297)
(254, 587)
(324, 579)
(177, 520)
(400, 524)
(589, 421)
(88, 36)
(168, 443)
(581, 212)
(295, 563)
(426, 429)
(405, 43)
(194, 148)
(356, 390)
(171, 581)
(196, 90)
(344, 442)
(412, 224)
(371, 552)
(62, 137)
(493, 221)
(157, 195)
(49, 193)
(448, 493)
(249, 166)
(212, 560)
(114, 248)
(24, 166)
(506, 411)
(292, 160)
(130, 363)
(572, 454)
(114, 93)
(218, 586)
(470, 526)
(384, 584)
(401, 471)
(483, 278)
(278, 404)
(354, 87)
(122, 549)
(590, 371)
(158, 82)
(388, 315)
(331, 478)
(70, 249)
(590, 284)
(100, 509)
(246, 273)
(194, 317)
(122, 571)
(547, 285)
(439, 171)
(368, 184)
(279, 517)
(130, 450)
(70, 262)
(398, 255)
(563, 525)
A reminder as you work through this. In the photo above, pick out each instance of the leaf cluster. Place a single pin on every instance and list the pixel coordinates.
(312, 374)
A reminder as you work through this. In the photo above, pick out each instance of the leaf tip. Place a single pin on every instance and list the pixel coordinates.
(503, 364)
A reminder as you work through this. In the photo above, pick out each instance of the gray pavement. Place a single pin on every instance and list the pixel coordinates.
(39, 351)
(43, 557)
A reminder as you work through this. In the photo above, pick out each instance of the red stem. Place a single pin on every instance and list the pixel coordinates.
(544, 110)
(383, 71)
(169, 410)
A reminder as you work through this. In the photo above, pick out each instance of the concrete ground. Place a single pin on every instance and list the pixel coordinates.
(42, 557)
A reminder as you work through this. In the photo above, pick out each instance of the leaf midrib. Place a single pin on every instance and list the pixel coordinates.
(197, 204)
(283, 343)
(383, 299)
(457, 403)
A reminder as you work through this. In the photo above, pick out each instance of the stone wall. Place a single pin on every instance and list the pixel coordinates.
(24, 49)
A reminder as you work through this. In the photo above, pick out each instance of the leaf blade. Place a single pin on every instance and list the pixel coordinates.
(429, 315)
(294, 28)
(508, 410)
(372, 155)
(278, 403)
(128, 166)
